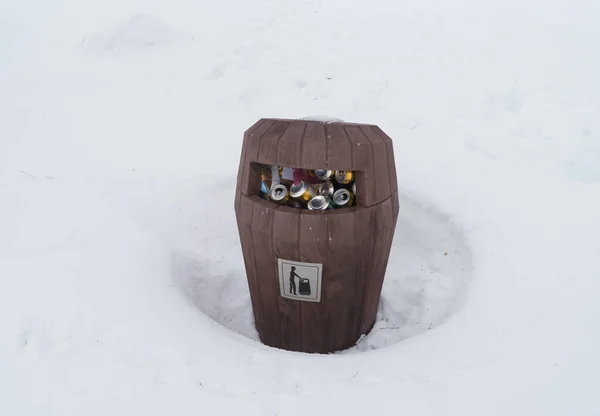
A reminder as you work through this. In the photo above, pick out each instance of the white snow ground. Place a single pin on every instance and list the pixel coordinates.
(121, 280)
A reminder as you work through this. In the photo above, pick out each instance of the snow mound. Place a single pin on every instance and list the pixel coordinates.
(428, 274)
(323, 119)
(141, 31)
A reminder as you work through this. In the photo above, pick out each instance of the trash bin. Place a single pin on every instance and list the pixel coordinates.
(315, 276)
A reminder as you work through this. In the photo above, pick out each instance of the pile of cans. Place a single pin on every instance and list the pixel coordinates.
(317, 189)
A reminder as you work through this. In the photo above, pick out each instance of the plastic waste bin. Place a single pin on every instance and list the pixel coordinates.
(315, 276)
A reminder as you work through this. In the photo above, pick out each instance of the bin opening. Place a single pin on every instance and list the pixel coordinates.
(313, 189)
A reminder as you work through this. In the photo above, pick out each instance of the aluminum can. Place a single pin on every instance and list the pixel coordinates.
(344, 176)
(326, 189)
(319, 203)
(302, 191)
(323, 175)
(354, 188)
(275, 174)
(342, 198)
(279, 194)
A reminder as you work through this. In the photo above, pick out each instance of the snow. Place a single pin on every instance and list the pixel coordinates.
(122, 285)
(323, 119)
(140, 31)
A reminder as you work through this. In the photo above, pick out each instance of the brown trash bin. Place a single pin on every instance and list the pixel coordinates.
(339, 257)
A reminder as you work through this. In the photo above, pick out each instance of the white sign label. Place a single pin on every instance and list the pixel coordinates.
(300, 281)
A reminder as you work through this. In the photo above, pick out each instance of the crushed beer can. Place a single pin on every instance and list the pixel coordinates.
(302, 191)
(344, 177)
(279, 194)
(319, 203)
(323, 174)
(275, 175)
(326, 189)
(342, 198)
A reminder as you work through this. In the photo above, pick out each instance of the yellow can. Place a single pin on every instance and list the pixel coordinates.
(344, 176)
(303, 191)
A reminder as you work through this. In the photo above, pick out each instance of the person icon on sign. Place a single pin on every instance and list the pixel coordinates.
(293, 281)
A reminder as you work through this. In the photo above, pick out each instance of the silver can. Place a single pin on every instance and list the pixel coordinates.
(344, 177)
(279, 194)
(323, 174)
(326, 189)
(303, 191)
(342, 198)
(319, 203)
(354, 188)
